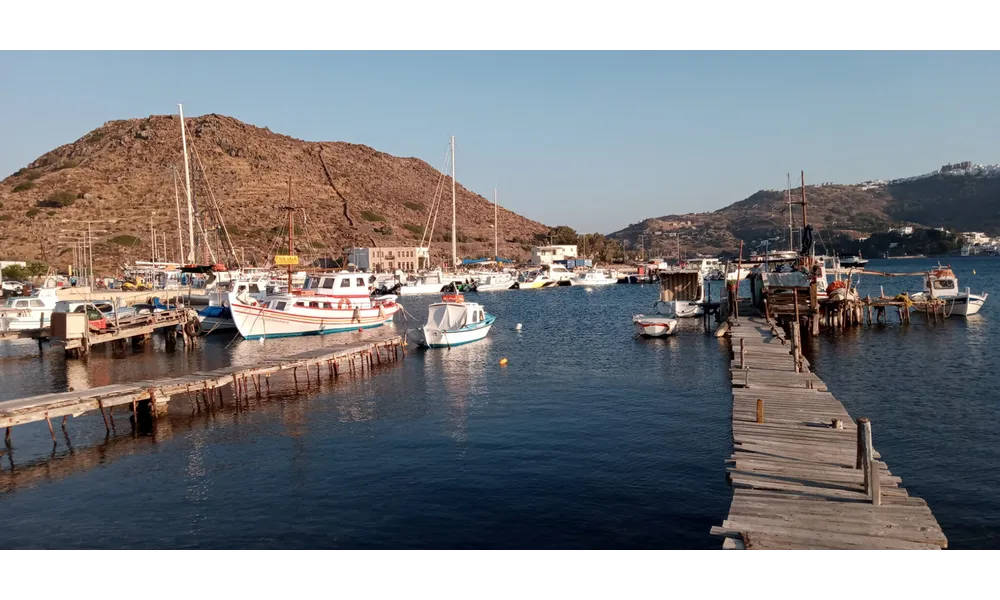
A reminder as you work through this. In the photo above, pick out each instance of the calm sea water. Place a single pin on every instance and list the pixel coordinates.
(589, 438)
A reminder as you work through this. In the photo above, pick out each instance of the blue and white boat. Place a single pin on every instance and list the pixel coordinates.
(453, 322)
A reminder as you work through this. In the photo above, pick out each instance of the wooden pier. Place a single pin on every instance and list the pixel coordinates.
(805, 474)
(150, 398)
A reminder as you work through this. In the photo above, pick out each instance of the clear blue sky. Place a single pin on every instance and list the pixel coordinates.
(593, 140)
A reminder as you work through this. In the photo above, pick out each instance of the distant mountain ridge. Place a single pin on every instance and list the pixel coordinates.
(960, 197)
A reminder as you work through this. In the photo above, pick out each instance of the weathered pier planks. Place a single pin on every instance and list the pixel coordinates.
(307, 367)
(803, 475)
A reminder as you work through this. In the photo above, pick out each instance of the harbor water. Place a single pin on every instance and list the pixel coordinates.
(587, 438)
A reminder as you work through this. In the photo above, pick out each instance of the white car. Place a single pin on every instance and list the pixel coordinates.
(12, 287)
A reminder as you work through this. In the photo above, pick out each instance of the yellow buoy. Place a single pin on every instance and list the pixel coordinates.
(503, 362)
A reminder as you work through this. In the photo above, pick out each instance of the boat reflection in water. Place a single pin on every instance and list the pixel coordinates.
(461, 375)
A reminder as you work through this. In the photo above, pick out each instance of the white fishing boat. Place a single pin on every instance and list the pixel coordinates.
(328, 303)
(488, 282)
(21, 313)
(427, 283)
(594, 277)
(942, 283)
(453, 322)
(682, 293)
(654, 325)
(312, 311)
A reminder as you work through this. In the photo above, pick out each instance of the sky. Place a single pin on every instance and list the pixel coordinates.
(593, 140)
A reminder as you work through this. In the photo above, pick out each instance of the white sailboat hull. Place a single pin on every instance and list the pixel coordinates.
(256, 322)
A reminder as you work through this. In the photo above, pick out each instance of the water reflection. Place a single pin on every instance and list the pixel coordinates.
(460, 375)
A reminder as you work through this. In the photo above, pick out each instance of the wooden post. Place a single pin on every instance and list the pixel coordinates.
(760, 410)
(51, 432)
(6, 437)
(267, 382)
(256, 385)
(743, 353)
(100, 405)
(861, 442)
(869, 456)
(746, 378)
(875, 485)
(295, 376)
(336, 369)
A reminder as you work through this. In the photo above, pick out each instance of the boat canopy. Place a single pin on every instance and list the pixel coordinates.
(479, 261)
(446, 316)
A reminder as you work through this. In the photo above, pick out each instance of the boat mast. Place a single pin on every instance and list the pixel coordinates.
(454, 245)
(788, 199)
(187, 178)
(177, 202)
(291, 232)
(496, 232)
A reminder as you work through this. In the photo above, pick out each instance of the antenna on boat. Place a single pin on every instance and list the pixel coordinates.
(454, 245)
(187, 188)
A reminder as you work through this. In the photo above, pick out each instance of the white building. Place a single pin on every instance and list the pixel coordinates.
(975, 237)
(406, 258)
(546, 255)
(901, 230)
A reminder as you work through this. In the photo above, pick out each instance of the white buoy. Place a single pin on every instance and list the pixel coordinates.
(517, 327)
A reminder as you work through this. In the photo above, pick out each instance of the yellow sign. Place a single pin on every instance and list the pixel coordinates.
(286, 259)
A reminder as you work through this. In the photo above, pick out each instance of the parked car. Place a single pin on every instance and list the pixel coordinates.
(10, 287)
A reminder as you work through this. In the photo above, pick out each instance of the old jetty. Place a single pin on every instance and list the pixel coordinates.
(150, 398)
(804, 473)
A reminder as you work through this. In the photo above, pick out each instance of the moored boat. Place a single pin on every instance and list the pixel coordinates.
(942, 284)
(453, 322)
(654, 325)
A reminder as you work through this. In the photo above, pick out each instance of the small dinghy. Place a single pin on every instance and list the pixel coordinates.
(654, 326)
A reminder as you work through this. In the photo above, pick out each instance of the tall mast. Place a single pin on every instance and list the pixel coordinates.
(496, 232)
(291, 233)
(180, 233)
(454, 244)
(187, 179)
(788, 199)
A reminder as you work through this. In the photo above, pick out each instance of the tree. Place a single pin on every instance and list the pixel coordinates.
(15, 273)
(563, 235)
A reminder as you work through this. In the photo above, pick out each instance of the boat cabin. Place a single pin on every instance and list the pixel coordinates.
(340, 284)
(683, 286)
(942, 283)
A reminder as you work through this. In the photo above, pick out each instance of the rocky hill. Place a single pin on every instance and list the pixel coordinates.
(349, 195)
(957, 200)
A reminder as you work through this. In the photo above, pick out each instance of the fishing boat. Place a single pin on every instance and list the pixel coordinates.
(427, 283)
(453, 322)
(594, 277)
(546, 276)
(327, 303)
(488, 282)
(942, 283)
(853, 262)
(654, 325)
(682, 293)
(29, 312)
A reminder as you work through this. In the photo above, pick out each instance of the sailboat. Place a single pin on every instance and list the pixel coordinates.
(494, 280)
(326, 304)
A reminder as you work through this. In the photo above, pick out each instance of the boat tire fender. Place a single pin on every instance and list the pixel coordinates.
(193, 328)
